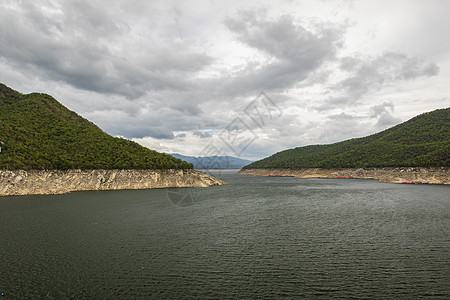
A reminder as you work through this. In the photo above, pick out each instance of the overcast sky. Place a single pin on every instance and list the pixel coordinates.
(184, 76)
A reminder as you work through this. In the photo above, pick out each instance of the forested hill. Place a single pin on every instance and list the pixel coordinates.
(422, 141)
(37, 132)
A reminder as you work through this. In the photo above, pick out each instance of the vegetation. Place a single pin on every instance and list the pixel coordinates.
(422, 141)
(40, 133)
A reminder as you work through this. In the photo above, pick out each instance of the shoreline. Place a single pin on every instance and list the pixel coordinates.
(50, 182)
(433, 175)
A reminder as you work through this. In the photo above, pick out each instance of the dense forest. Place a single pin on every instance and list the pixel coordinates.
(38, 132)
(422, 141)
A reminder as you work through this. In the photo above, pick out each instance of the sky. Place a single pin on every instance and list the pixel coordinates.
(241, 78)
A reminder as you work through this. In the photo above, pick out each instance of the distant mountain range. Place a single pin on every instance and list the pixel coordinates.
(423, 141)
(214, 162)
(38, 132)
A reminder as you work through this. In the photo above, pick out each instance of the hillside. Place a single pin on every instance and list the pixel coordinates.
(214, 162)
(40, 133)
(422, 141)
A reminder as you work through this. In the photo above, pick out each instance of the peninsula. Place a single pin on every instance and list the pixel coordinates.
(48, 149)
(416, 151)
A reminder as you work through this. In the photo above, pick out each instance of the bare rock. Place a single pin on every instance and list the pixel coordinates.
(32, 182)
(434, 175)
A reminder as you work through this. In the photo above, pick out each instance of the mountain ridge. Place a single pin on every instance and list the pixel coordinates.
(423, 141)
(38, 132)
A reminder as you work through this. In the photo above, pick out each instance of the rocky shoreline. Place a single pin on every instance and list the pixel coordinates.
(390, 175)
(46, 182)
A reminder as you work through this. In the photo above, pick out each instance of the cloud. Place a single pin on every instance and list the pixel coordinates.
(364, 75)
(291, 51)
(94, 49)
(201, 134)
(371, 74)
(180, 136)
(385, 118)
(341, 116)
(377, 110)
(167, 73)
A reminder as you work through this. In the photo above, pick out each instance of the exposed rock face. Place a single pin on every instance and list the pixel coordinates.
(393, 175)
(35, 182)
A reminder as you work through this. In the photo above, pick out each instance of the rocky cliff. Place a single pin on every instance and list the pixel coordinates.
(393, 175)
(35, 182)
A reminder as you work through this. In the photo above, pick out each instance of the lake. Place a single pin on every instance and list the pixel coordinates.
(255, 238)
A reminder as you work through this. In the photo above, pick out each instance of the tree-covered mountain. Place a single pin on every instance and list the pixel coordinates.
(422, 141)
(38, 132)
(214, 162)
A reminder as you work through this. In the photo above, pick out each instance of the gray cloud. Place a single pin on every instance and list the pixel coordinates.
(341, 116)
(377, 110)
(387, 120)
(156, 68)
(366, 75)
(384, 112)
(372, 73)
(86, 46)
(201, 134)
(181, 135)
(139, 130)
(293, 51)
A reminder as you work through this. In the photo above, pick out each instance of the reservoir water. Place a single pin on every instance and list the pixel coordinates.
(255, 238)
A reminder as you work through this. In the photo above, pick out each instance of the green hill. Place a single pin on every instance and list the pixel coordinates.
(422, 141)
(40, 133)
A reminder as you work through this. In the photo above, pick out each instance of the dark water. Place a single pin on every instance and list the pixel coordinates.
(258, 237)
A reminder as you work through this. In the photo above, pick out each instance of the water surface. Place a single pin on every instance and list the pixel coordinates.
(257, 237)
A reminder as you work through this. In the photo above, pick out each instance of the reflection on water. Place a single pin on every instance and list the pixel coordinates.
(257, 237)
